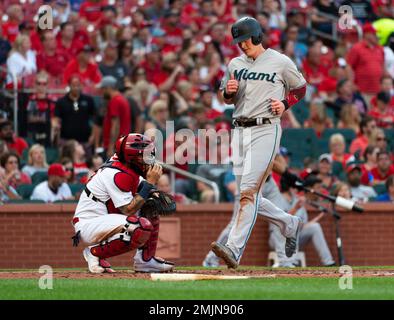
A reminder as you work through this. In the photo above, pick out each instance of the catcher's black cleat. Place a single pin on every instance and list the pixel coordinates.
(225, 253)
(291, 243)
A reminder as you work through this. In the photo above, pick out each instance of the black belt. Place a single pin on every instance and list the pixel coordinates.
(91, 196)
(246, 122)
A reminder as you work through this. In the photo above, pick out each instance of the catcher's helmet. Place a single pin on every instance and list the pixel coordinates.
(245, 28)
(135, 149)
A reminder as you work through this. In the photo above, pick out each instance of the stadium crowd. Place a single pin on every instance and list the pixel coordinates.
(106, 68)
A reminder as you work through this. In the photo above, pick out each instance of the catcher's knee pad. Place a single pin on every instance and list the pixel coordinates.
(139, 230)
(137, 233)
(149, 249)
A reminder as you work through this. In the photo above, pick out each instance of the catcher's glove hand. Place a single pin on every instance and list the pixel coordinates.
(159, 203)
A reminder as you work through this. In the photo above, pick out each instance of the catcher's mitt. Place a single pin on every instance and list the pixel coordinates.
(158, 203)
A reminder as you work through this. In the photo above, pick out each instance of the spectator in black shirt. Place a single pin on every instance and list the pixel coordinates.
(73, 115)
(326, 8)
(362, 10)
(5, 48)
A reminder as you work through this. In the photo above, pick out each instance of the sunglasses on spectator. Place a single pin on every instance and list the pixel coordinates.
(41, 83)
(69, 169)
(381, 139)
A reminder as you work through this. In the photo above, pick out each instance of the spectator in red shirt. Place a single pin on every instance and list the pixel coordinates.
(174, 34)
(383, 170)
(273, 36)
(150, 65)
(51, 59)
(91, 10)
(169, 74)
(367, 61)
(223, 42)
(13, 142)
(382, 113)
(206, 97)
(85, 67)
(11, 26)
(316, 70)
(367, 129)
(67, 42)
(117, 118)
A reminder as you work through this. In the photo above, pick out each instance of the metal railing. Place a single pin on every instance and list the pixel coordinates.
(189, 175)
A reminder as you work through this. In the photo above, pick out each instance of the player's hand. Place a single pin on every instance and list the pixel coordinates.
(277, 107)
(232, 85)
(154, 173)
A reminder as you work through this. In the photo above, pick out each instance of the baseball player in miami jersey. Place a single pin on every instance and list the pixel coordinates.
(262, 84)
(107, 218)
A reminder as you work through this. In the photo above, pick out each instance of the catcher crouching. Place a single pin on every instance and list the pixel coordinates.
(120, 208)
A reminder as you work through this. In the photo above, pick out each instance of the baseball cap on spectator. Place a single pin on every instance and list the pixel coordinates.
(352, 166)
(108, 82)
(109, 8)
(369, 28)
(384, 97)
(325, 156)
(4, 124)
(85, 48)
(56, 169)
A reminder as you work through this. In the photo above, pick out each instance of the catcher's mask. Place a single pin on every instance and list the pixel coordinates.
(136, 151)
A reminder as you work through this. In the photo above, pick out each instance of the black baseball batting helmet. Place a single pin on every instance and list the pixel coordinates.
(245, 28)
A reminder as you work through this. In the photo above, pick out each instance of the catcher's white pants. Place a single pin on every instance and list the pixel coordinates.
(254, 151)
(95, 230)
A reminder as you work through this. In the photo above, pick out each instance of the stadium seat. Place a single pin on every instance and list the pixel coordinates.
(389, 133)
(337, 170)
(380, 188)
(301, 143)
(25, 190)
(301, 111)
(39, 177)
(76, 188)
(52, 155)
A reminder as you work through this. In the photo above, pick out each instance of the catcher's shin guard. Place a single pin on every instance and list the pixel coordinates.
(149, 249)
(137, 233)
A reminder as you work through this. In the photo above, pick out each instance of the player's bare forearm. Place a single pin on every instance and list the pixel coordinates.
(135, 204)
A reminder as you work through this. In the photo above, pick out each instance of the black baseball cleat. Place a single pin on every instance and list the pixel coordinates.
(291, 243)
(225, 253)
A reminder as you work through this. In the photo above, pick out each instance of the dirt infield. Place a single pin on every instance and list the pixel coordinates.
(129, 274)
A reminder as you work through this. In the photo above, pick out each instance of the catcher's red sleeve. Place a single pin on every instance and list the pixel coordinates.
(294, 96)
